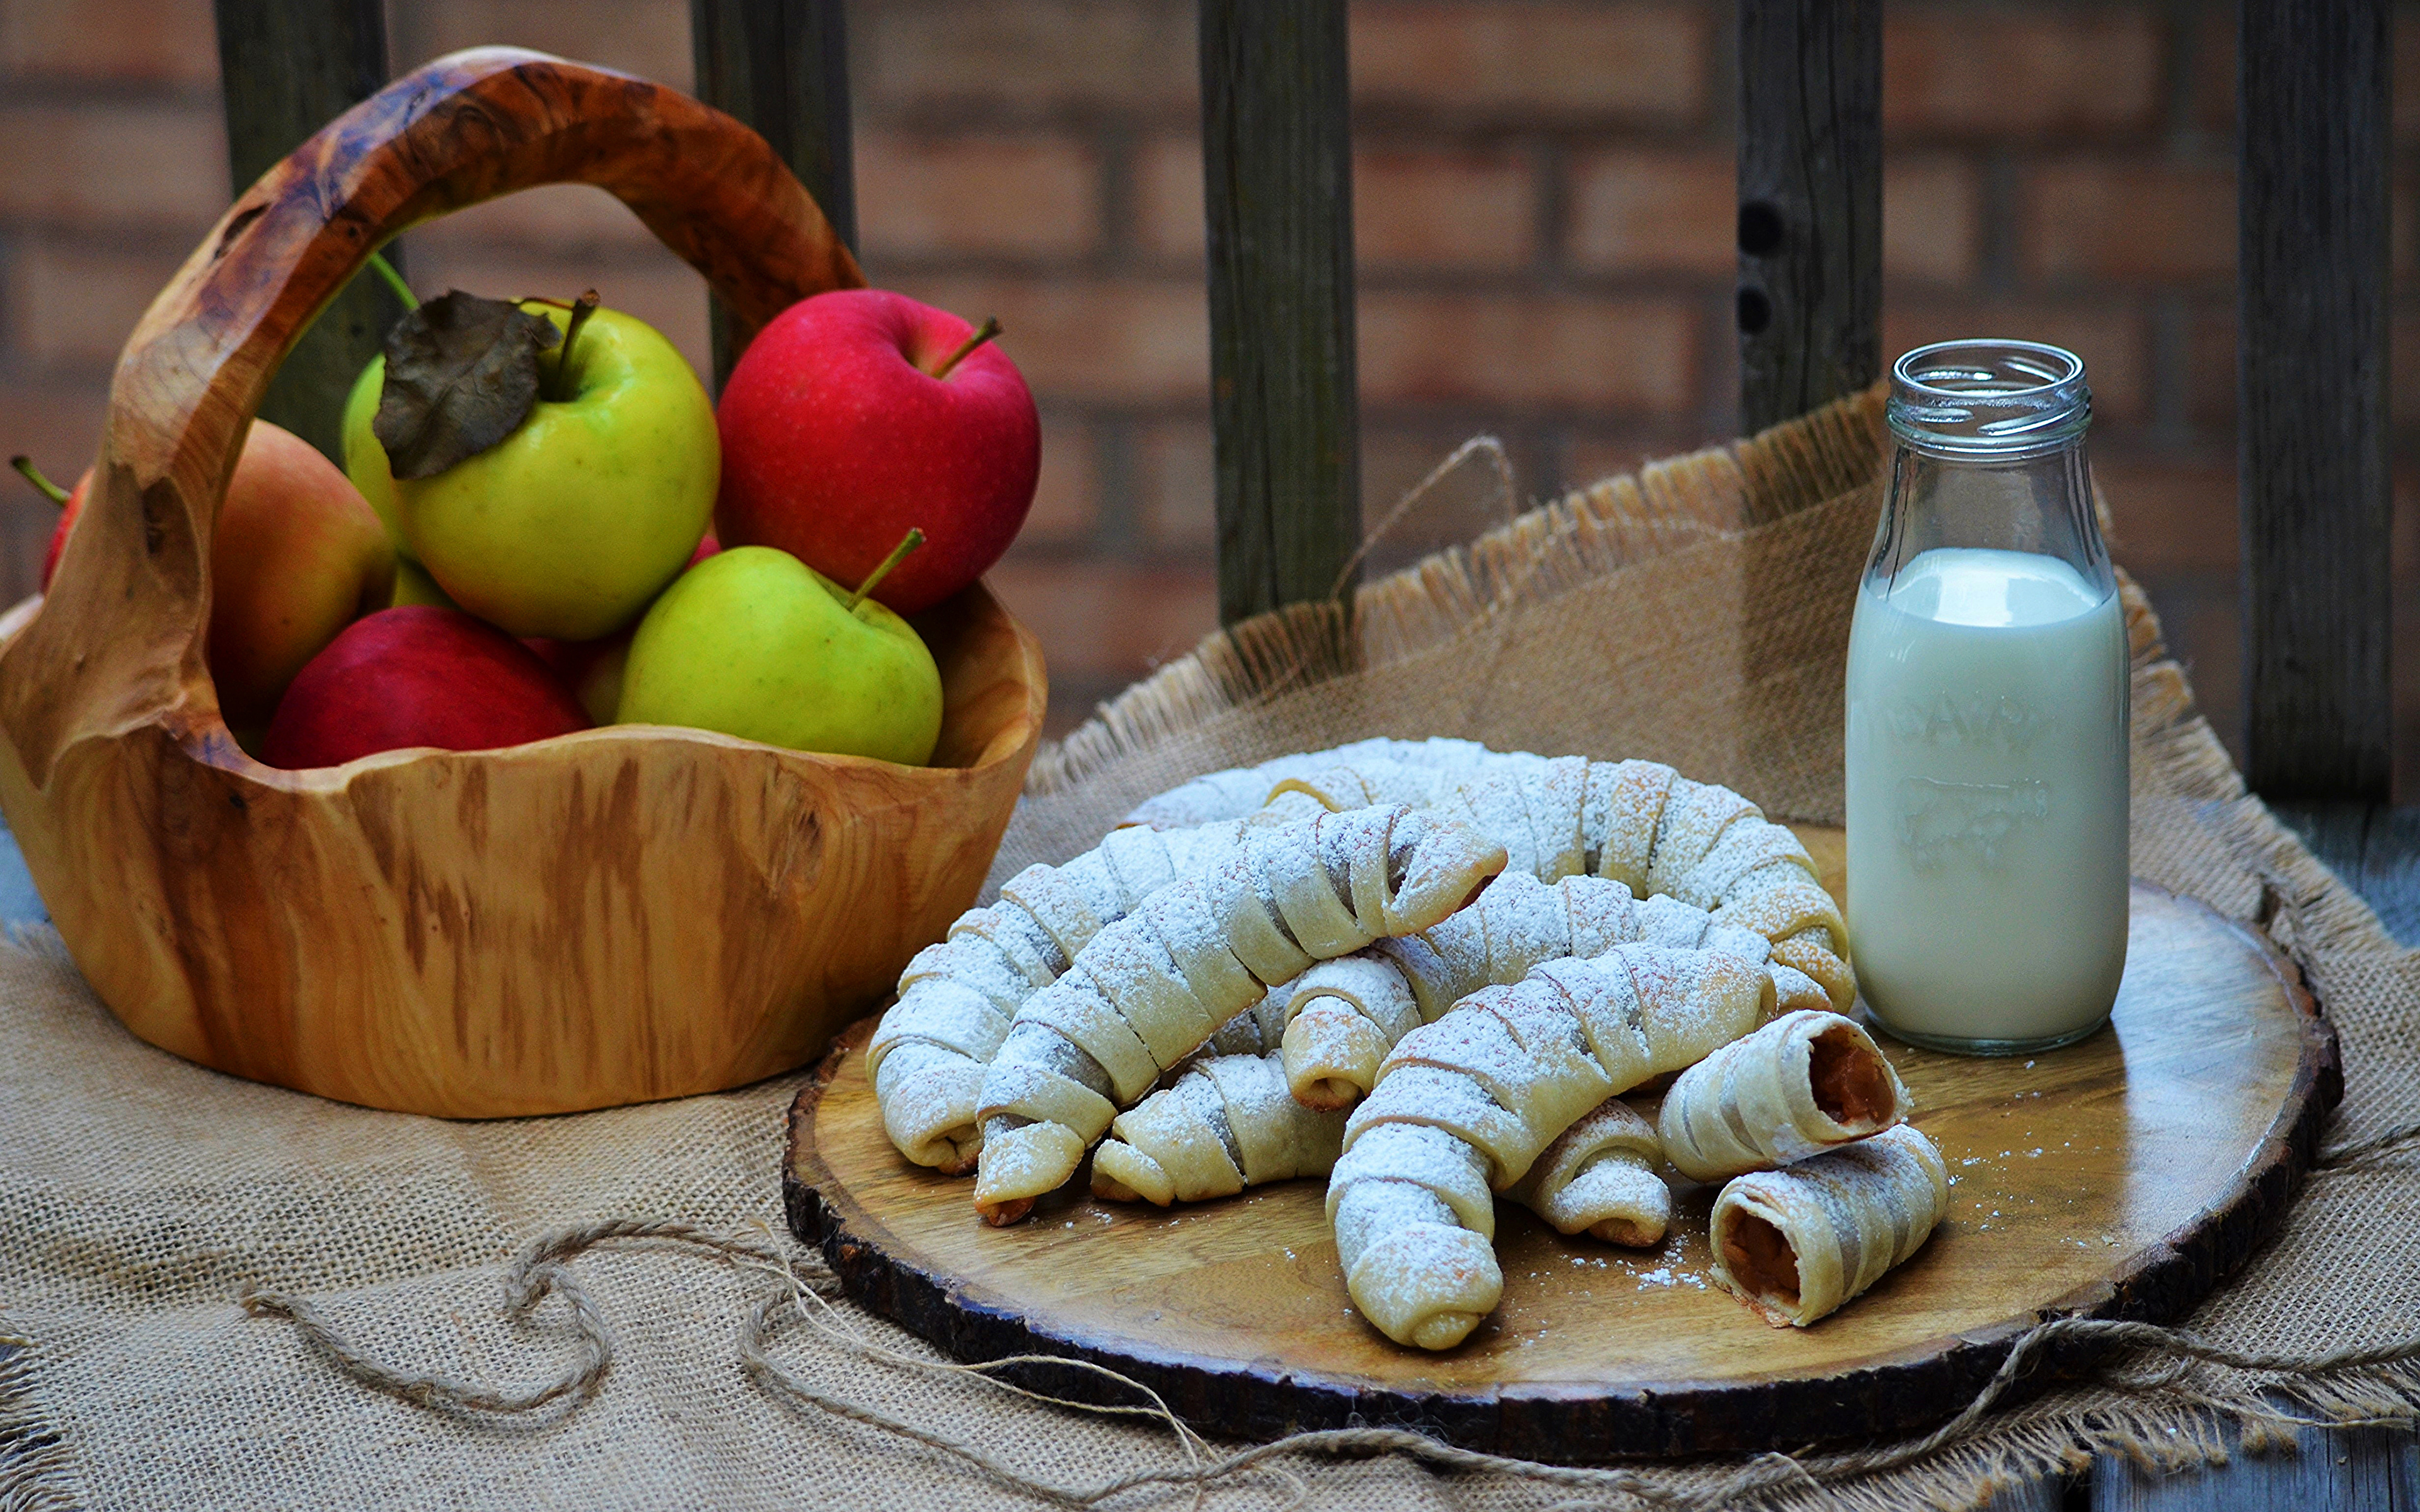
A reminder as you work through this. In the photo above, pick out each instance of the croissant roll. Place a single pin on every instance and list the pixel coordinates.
(1154, 987)
(1796, 1242)
(1600, 1178)
(1227, 1123)
(1467, 1105)
(1239, 792)
(1802, 1084)
(957, 999)
(1635, 821)
(1342, 1017)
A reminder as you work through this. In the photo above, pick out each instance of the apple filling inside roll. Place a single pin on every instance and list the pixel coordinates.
(1851, 1082)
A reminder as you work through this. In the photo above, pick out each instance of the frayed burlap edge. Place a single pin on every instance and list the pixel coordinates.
(34, 1467)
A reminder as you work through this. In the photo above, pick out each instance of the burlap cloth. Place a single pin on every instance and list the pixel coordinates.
(1697, 614)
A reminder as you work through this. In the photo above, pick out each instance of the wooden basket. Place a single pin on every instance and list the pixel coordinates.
(626, 913)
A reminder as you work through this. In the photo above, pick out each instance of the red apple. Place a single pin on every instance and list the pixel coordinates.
(297, 555)
(838, 437)
(418, 675)
(69, 508)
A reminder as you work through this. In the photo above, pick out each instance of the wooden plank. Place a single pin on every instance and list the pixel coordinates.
(1810, 204)
(2330, 1470)
(290, 67)
(782, 66)
(1277, 181)
(2312, 291)
(2374, 849)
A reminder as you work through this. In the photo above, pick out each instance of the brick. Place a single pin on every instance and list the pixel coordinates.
(648, 38)
(1650, 61)
(1175, 490)
(172, 42)
(1645, 211)
(2169, 516)
(932, 195)
(1114, 341)
(649, 282)
(114, 164)
(1999, 73)
(1413, 210)
(1468, 209)
(1552, 350)
(1933, 213)
(2082, 219)
(2114, 341)
(74, 304)
(1168, 210)
(2213, 106)
(1029, 57)
(1105, 620)
(554, 218)
(1067, 497)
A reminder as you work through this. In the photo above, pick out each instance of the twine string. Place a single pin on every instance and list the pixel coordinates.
(2155, 1358)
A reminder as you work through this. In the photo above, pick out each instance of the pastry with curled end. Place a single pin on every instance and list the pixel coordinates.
(1154, 987)
(958, 999)
(1797, 1087)
(1797, 1242)
(1226, 1123)
(1346, 1014)
(1635, 821)
(1465, 1106)
(1598, 1177)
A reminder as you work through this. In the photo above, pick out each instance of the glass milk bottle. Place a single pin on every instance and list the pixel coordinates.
(1987, 713)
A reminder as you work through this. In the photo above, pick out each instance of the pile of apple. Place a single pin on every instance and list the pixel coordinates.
(518, 546)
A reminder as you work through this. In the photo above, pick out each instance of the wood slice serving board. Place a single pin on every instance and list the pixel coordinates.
(2118, 1177)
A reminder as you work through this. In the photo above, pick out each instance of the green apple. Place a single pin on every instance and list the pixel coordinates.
(571, 524)
(366, 461)
(755, 643)
(412, 585)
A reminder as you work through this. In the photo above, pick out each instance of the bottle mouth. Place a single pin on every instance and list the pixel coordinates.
(1989, 398)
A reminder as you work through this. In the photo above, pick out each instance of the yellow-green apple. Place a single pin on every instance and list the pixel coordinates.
(412, 585)
(582, 512)
(71, 503)
(593, 669)
(366, 459)
(857, 414)
(417, 676)
(296, 556)
(755, 643)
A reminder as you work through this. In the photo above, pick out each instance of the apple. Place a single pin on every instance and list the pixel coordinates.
(857, 414)
(296, 556)
(755, 643)
(71, 503)
(419, 675)
(571, 523)
(366, 459)
(593, 669)
(412, 585)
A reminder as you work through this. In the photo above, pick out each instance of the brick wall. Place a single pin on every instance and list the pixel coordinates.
(1543, 203)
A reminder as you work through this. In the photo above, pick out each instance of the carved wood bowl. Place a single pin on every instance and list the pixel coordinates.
(621, 915)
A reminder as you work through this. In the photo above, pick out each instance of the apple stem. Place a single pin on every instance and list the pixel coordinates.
(983, 332)
(581, 308)
(385, 270)
(913, 539)
(50, 491)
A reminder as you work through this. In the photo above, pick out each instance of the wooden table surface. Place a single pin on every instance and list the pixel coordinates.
(2376, 852)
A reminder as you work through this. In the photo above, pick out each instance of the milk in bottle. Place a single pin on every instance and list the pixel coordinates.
(1987, 709)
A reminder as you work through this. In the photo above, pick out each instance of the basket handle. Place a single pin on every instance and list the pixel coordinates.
(119, 641)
